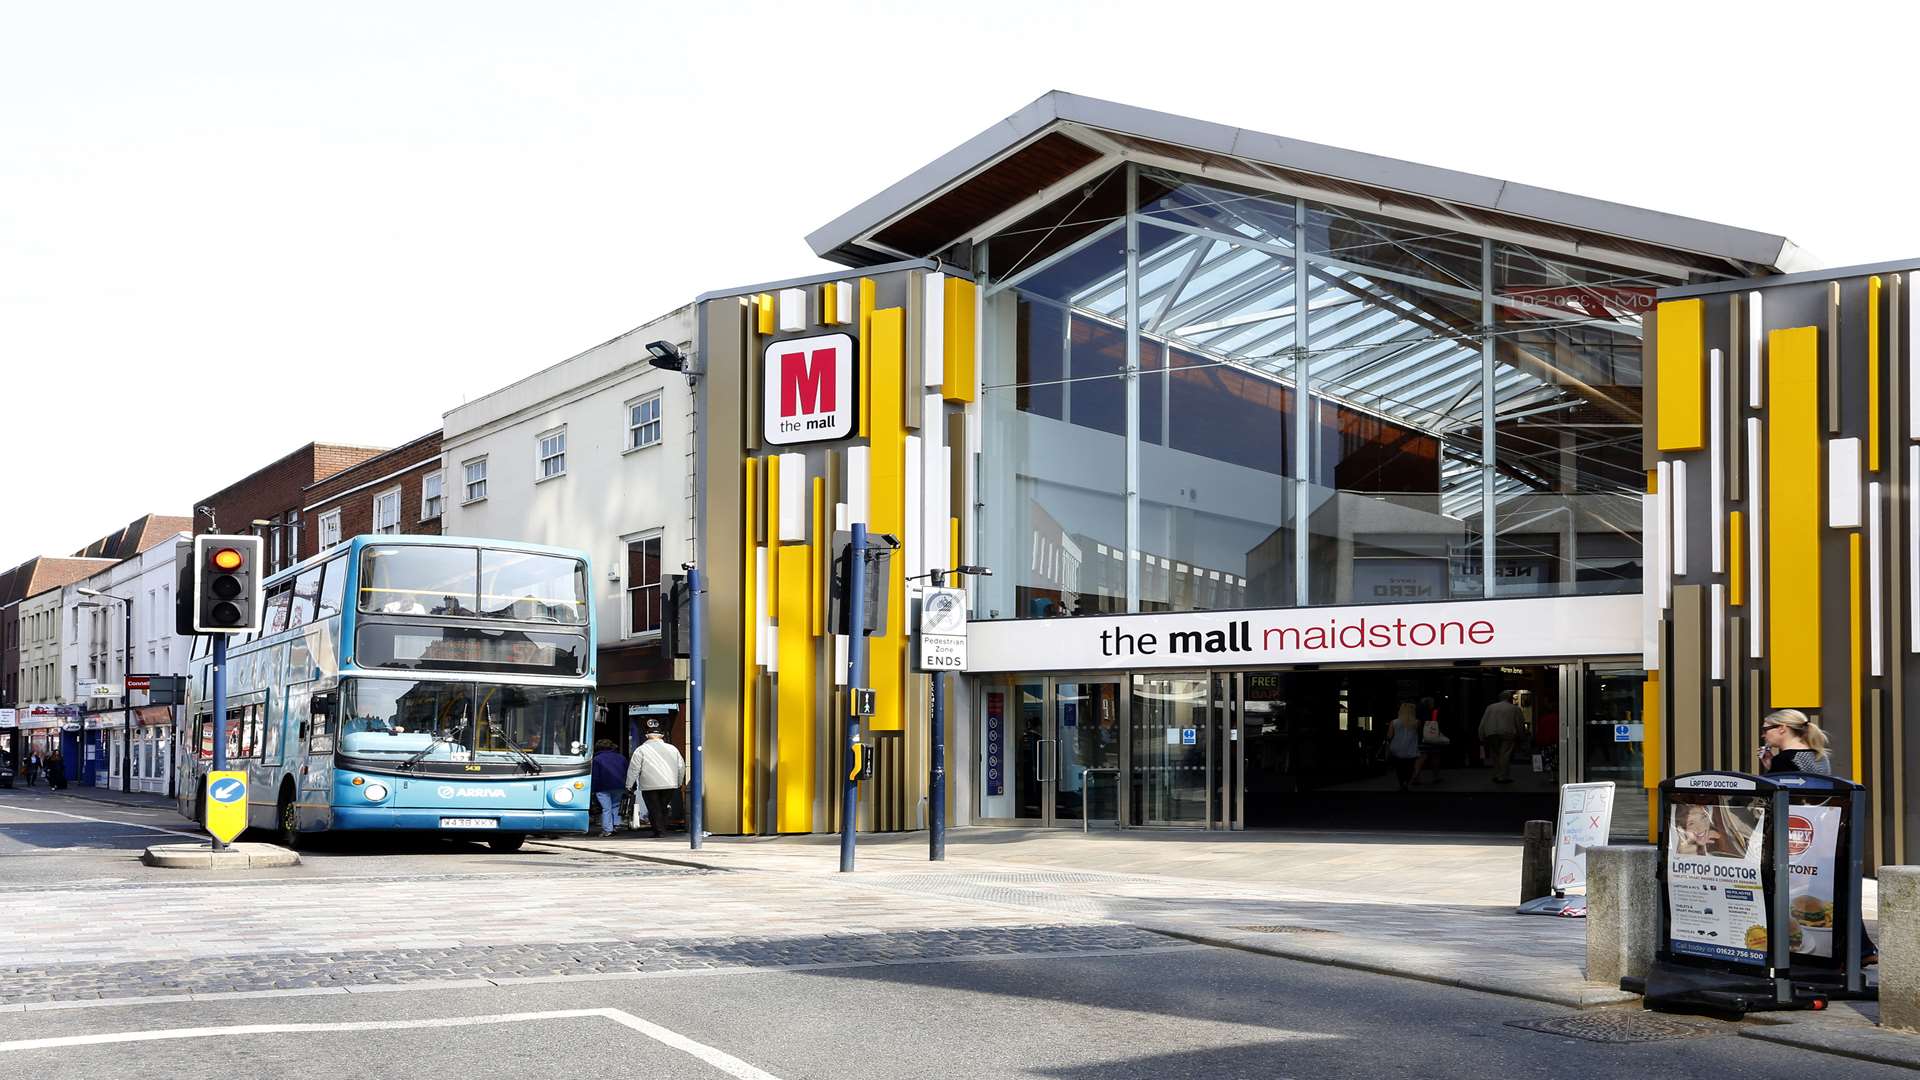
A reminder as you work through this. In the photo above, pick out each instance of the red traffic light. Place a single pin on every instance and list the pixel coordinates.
(228, 558)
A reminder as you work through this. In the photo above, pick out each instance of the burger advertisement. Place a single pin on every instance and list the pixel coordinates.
(1813, 839)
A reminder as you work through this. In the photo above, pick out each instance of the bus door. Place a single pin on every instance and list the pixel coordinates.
(320, 721)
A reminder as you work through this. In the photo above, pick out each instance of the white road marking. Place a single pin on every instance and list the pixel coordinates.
(106, 821)
(719, 1059)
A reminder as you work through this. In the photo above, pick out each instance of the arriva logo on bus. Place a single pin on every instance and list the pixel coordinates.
(449, 791)
(1534, 627)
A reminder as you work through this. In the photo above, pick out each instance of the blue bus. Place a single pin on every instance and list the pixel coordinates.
(430, 683)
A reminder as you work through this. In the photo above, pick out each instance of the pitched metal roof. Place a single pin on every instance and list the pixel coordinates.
(1060, 138)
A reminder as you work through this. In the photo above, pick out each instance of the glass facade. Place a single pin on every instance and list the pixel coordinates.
(1324, 405)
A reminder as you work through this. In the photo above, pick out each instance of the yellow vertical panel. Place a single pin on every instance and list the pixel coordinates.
(829, 312)
(863, 311)
(1652, 747)
(887, 507)
(817, 619)
(957, 375)
(1680, 416)
(749, 648)
(1793, 517)
(794, 724)
(1873, 374)
(767, 311)
(953, 546)
(1736, 558)
(770, 496)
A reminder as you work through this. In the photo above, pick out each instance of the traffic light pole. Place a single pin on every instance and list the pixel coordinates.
(696, 727)
(219, 720)
(856, 681)
(937, 774)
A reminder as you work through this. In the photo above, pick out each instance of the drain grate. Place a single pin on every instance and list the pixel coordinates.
(1617, 1027)
(1283, 929)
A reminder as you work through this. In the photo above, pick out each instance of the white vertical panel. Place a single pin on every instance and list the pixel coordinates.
(1876, 606)
(1843, 483)
(1653, 541)
(933, 330)
(1717, 459)
(1677, 518)
(762, 628)
(1718, 654)
(1913, 554)
(1756, 339)
(913, 544)
(843, 295)
(856, 484)
(839, 659)
(793, 309)
(842, 521)
(936, 479)
(793, 497)
(1756, 530)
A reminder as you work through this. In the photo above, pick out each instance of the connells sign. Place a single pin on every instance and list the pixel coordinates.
(1531, 628)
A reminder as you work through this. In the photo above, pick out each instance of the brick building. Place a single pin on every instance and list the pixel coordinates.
(31, 578)
(275, 494)
(400, 491)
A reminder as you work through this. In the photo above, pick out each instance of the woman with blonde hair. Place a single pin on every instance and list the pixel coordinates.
(1403, 746)
(1794, 743)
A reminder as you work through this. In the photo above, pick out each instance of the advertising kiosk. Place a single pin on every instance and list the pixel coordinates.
(1759, 893)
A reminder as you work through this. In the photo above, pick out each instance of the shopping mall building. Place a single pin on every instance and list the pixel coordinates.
(1263, 441)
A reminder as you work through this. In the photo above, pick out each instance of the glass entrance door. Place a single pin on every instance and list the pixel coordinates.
(1167, 770)
(1224, 789)
(1051, 750)
(1087, 733)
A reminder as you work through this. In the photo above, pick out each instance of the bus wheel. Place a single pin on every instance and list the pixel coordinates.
(289, 820)
(507, 843)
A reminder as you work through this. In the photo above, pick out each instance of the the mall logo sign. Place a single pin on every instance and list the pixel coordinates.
(809, 389)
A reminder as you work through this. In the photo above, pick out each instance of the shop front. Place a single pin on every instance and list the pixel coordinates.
(148, 757)
(1274, 718)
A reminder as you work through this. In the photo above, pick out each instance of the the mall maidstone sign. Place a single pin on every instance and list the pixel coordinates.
(1532, 628)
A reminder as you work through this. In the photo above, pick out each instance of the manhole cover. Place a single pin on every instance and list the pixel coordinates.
(1616, 1027)
(1284, 930)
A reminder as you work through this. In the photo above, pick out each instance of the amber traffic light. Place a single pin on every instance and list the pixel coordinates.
(226, 584)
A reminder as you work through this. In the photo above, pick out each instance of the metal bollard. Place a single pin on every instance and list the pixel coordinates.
(1623, 911)
(1536, 861)
(1899, 941)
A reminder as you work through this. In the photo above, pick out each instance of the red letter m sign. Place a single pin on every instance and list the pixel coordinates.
(806, 382)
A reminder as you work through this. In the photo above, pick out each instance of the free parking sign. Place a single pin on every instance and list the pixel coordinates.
(227, 804)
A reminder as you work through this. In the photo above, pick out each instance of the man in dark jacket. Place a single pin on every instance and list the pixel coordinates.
(609, 782)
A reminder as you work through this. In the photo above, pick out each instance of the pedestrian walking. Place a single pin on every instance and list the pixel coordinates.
(33, 768)
(609, 780)
(1794, 742)
(1500, 729)
(657, 771)
(56, 771)
(1403, 746)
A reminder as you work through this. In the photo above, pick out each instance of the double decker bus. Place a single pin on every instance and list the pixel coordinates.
(430, 683)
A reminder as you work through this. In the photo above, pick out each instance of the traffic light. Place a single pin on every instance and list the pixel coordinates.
(676, 619)
(228, 575)
(875, 591)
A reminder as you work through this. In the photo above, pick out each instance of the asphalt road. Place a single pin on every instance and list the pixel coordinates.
(1150, 1008)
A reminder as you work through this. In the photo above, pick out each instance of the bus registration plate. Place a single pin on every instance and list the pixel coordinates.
(469, 823)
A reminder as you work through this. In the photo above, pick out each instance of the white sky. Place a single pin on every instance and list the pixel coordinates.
(227, 229)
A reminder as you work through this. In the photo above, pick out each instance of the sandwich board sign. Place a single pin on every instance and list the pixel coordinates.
(1584, 821)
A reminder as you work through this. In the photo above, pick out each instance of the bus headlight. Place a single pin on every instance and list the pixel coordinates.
(376, 792)
(562, 795)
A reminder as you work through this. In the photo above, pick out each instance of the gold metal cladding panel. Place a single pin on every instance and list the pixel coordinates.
(1737, 566)
(1832, 352)
(1689, 684)
(864, 307)
(725, 325)
(1794, 505)
(886, 512)
(1680, 411)
(1873, 374)
(749, 649)
(1854, 656)
(818, 537)
(795, 720)
(770, 527)
(958, 375)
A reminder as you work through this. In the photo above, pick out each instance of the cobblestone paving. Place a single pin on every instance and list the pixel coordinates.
(497, 963)
(351, 879)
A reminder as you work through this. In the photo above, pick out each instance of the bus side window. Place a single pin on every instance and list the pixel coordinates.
(324, 712)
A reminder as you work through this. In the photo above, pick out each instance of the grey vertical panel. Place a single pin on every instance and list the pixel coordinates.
(1880, 829)
(1754, 700)
(1832, 351)
(720, 500)
(959, 458)
(1737, 739)
(1716, 715)
(915, 383)
(1893, 549)
(1689, 676)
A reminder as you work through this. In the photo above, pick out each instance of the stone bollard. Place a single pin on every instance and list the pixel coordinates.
(1623, 911)
(1536, 861)
(1899, 942)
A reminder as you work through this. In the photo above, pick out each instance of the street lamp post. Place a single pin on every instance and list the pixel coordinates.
(126, 695)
